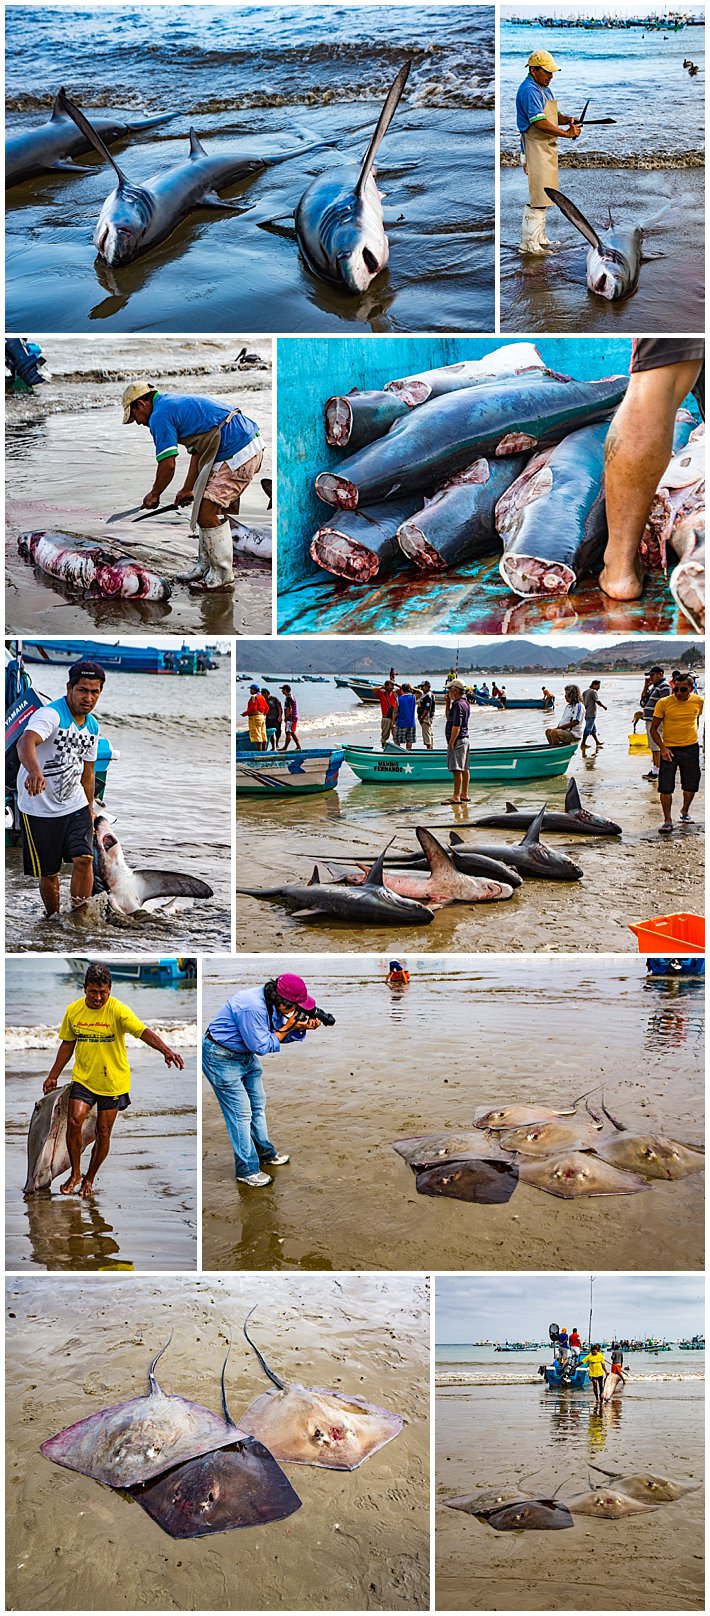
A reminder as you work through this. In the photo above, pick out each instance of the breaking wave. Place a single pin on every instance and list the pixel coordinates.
(183, 1034)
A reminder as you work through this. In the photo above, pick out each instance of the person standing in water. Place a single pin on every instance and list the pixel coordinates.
(93, 1033)
(55, 788)
(591, 701)
(594, 1360)
(290, 719)
(540, 126)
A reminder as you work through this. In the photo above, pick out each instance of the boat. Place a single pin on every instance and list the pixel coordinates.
(513, 703)
(510, 1346)
(511, 763)
(367, 692)
(288, 774)
(21, 701)
(563, 1378)
(695, 1344)
(116, 658)
(167, 972)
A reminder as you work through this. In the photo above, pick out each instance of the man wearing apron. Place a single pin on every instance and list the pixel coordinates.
(226, 452)
(541, 126)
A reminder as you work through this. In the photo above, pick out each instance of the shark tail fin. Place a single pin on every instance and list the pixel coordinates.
(571, 212)
(87, 129)
(376, 875)
(532, 834)
(573, 801)
(196, 147)
(383, 123)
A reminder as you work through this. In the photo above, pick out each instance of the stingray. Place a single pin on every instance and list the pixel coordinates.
(485, 1503)
(487, 1181)
(644, 1487)
(579, 1172)
(429, 1149)
(544, 1138)
(652, 1155)
(132, 1442)
(240, 1485)
(531, 1515)
(518, 1116)
(314, 1425)
(607, 1504)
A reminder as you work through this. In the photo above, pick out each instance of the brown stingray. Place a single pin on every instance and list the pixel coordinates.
(134, 1441)
(544, 1138)
(518, 1116)
(606, 1503)
(487, 1502)
(531, 1515)
(653, 1155)
(314, 1425)
(427, 1150)
(644, 1487)
(241, 1485)
(579, 1172)
(488, 1182)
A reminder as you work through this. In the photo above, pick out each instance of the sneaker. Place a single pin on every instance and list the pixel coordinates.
(653, 775)
(257, 1181)
(665, 830)
(279, 1160)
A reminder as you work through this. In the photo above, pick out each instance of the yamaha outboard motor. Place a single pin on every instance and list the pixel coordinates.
(23, 361)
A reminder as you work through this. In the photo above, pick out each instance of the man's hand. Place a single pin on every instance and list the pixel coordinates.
(49, 1084)
(185, 496)
(150, 501)
(171, 1058)
(575, 130)
(312, 1024)
(35, 782)
(666, 753)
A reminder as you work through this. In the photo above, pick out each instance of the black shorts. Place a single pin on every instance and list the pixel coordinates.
(687, 760)
(49, 843)
(103, 1102)
(652, 353)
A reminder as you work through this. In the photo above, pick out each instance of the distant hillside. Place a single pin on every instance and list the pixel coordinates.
(375, 657)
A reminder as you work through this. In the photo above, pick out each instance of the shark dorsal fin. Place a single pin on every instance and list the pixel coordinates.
(315, 880)
(437, 857)
(59, 107)
(383, 123)
(532, 834)
(573, 802)
(89, 133)
(196, 147)
(572, 212)
(455, 839)
(510, 808)
(376, 875)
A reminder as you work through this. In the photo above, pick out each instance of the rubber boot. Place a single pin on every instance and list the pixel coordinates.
(219, 550)
(542, 238)
(532, 228)
(201, 564)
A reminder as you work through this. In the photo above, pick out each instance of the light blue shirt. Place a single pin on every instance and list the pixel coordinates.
(530, 103)
(175, 416)
(243, 1025)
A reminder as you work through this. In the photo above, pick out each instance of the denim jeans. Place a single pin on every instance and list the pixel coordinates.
(237, 1083)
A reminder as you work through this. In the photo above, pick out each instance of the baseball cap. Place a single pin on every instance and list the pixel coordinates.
(542, 58)
(254, 687)
(132, 393)
(293, 988)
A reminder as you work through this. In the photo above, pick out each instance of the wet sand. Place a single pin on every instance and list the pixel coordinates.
(626, 879)
(464, 1033)
(361, 1539)
(70, 463)
(498, 1435)
(551, 293)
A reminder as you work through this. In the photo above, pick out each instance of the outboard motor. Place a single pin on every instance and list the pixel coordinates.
(554, 1334)
(23, 361)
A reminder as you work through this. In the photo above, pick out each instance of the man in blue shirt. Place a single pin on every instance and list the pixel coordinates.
(540, 126)
(254, 1022)
(226, 452)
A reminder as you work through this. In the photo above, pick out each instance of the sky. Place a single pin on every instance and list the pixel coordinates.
(512, 1306)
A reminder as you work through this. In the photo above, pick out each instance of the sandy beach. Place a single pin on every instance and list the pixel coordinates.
(629, 878)
(464, 1033)
(71, 463)
(498, 1434)
(361, 1539)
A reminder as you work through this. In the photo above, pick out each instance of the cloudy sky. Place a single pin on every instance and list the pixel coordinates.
(513, 1306)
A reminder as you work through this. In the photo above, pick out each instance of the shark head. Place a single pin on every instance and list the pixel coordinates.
(111, 862)
(607, 276)
(122, 224)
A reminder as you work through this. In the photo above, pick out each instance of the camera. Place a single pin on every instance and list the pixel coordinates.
(322, 1016)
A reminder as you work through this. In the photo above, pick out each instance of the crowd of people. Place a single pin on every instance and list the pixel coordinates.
(269, 718)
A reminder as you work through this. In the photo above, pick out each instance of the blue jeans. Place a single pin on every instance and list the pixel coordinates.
(236, 1080)
(590, 728)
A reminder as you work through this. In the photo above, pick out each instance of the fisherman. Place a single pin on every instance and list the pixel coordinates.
(617, 1360)
(93, 1033)
(678, 715)
(254, 1022)
(290, 719)
(575, 1346)
(274, 719)
(594, 1360)
(226, 452)
(540, 126)
(591, 701)
(426, 709)
(255, 713)
(405, 732)
(548, 697)
(397, 975)
(387, 697)
(655, 686)
(563, 1345)
(570, 725)
(639, 446)
(457, 741)
(55, 788)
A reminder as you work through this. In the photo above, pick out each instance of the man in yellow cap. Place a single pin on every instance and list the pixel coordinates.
(541, 126)
(226, 452)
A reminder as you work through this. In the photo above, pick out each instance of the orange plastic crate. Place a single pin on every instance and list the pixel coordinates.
(680, 934)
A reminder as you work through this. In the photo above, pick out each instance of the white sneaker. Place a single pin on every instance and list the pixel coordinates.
(279, 1160)
(258, 1181)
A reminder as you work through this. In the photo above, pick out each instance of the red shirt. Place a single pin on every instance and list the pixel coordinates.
(388, 700)
(257, 704)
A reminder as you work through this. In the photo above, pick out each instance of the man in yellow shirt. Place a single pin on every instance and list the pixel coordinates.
(94, 1033)
(679, 747)
(594, 1360)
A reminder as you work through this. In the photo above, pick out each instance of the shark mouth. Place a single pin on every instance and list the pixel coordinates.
(108, 842)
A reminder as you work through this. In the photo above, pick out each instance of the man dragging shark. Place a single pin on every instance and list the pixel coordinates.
(93, 1033)
(55, 788)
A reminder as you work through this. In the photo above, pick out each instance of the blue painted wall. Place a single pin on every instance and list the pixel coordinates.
(311, 370)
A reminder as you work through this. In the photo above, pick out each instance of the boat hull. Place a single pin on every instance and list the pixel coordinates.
(394, 765)
(288, 774)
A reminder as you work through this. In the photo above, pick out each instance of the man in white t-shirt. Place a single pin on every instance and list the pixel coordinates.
(55, 788)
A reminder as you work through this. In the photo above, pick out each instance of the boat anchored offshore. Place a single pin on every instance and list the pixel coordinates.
(287, 774)
(394, 765)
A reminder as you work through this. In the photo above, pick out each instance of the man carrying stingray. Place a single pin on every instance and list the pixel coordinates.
(226, 452)
(93, 1032)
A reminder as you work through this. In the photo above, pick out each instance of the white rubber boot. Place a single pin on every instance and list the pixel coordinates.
(543, 234)
(201, 564)
(533, 228)
(218, 547)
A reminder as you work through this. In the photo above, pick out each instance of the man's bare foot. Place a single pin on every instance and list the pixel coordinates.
(87, 1189)
(70, 1184)
(622, 584)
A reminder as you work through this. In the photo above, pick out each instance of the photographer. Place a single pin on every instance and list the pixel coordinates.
(256, 1021)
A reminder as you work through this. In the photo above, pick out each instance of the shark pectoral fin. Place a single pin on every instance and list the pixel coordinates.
(275, 227)
(66, 166)
(307, 914)
(212, 200)
(383, 123)
(169, 884)
(573, 801)
(650, 258)
(571, 212)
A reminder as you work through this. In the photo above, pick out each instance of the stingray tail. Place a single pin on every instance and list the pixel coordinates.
(151, 1372)
(225, 1409)
(620, 1127)
(267, 1371)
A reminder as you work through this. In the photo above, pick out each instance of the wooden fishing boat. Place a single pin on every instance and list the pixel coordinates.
(288, 774)
(394, 765)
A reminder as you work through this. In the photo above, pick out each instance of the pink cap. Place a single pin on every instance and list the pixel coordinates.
(293, 988)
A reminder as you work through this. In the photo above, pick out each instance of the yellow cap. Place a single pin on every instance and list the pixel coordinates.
(134, 391)
(542, 58)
